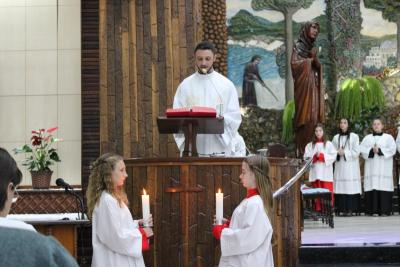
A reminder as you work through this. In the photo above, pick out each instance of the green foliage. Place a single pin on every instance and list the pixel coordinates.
(283, 6)
(287, 122)
(40, 153)
(357, 96)
(390, 8)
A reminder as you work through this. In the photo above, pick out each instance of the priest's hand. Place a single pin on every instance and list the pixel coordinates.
(376, 149)
(341, 151)
(148, 231)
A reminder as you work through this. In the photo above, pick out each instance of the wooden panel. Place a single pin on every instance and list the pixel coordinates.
(65, 234)
(183, 220)
(146, 50)
(90, 74)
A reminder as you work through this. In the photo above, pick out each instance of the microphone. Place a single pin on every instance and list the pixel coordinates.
(68, 189)
(60, 182)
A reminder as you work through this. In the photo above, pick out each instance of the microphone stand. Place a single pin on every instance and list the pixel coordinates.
(70, 190)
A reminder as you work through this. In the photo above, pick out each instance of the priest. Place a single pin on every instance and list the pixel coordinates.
(208, 88)
(378, 150)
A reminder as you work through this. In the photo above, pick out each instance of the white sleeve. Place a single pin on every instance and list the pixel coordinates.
(257, 229)
(365, 147)
(389, 147)
(232, 117)
(335, 141)
(330, 153)
(112, 233)
(309, 151)
(353, 152)
(179, 102)
(398, 139)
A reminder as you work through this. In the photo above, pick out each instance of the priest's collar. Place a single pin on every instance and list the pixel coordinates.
(252, 192)
(378, 134)
(344, 133)
(209, 71)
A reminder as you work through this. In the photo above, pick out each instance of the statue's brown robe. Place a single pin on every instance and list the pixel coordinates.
(308, 97)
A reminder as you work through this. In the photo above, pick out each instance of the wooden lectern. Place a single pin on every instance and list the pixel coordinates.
(190, 127)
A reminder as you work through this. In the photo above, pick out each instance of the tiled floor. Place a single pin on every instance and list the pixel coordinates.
(355, 230)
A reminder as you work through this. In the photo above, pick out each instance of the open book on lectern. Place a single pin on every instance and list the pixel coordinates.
(191, 112)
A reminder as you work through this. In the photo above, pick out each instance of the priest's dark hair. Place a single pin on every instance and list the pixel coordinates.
(9, 173)
(259, 165)
(205, 45)
(314, 139)
(100, 180)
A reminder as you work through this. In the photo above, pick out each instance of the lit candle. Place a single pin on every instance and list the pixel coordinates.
(145, 207)
(219, 205)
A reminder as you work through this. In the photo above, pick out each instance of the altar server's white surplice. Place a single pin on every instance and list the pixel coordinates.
(247, 240)
(378, 171)
(347, 179)
(116, 239)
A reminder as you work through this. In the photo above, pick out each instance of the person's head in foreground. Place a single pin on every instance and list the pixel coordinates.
(255, 175)
(108, 173)
(10, 178)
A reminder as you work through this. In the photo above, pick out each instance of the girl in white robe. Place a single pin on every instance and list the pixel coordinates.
(117, 239)
(346, 176)
(246, 238)
(378, 150)
(323, 154)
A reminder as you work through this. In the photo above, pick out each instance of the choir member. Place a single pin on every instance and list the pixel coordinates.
(117, 239)
(378, 150)
(208, 88)
(346, 176)
(246, 238)
(323, 154)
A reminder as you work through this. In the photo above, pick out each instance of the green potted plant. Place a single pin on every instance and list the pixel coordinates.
(41, 154)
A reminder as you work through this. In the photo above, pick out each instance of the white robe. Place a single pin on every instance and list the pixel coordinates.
(12, 223)
(346, 177)
(209, 90)
(322, 171)
(116, 239)
(398, 143)
(247, 241)
(378, 171)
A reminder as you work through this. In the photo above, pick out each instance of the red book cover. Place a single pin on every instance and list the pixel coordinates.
(191, 112)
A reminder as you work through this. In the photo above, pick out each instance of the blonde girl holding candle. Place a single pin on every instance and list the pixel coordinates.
(246, 239)
(117, 239)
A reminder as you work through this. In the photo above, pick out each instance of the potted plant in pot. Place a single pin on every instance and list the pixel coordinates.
(41, 154)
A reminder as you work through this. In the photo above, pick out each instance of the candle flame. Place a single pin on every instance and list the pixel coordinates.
(219, 190)
(144, 192)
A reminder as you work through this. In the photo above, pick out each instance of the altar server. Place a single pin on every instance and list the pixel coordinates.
(246, 238)
(323, 154)
(208, 88)
(378, 150)
(117, 239)
(346, 177)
